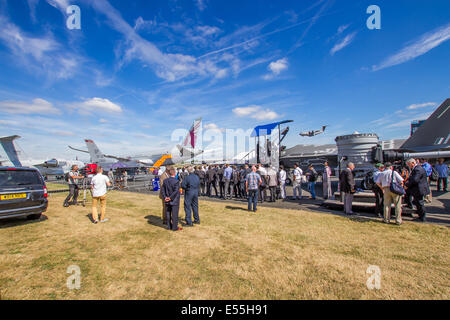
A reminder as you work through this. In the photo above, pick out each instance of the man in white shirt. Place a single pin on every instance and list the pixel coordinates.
(326, 181)
(282, 176)
(297, 181)
(383, 180)
(99, 185)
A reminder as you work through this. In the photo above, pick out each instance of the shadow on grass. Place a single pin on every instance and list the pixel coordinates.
(236, 208)
(20, 221)
(155, 221)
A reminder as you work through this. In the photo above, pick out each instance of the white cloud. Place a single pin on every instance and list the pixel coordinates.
(168, 66)
(9, 122)
(63, 133)
(37, 106)
(256, 112)
(276, 67)
(222, 73)
(207, 30)
(59, 4)
(343, 43)
(405, 123)
(421, 105)
(17, 41)
(211, 126)
(141, 24)
(419, 47)
(96, 105)
(38, 53)
(342, 28)
(201, 4)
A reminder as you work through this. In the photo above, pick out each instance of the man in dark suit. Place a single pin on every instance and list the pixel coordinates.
(243, 175)
(171, 196)
(191, 185)
(417, 185)
(201, 176)
(347, 187)
(211, 178)
(236, 183)
(220, 177)
(165, 175)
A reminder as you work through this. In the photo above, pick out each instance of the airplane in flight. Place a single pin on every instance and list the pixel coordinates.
(178, 154)
(313, 133)
(51, 167)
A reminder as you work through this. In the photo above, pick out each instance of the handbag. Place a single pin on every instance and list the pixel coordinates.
(396, 187)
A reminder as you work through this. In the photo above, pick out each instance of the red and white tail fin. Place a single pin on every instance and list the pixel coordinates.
(191, 138)
(96, 155)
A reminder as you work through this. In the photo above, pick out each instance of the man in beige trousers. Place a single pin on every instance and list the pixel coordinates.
(383, 180)
(99, 185)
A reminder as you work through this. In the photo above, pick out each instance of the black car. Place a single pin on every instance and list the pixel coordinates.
(22, 193)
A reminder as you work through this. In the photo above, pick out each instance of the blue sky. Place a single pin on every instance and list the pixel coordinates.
(137, 70)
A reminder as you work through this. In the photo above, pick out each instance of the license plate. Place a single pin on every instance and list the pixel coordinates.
(13, 196)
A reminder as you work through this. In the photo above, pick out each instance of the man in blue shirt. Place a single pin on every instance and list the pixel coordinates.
(429, 170)
(442, 170)
(227, 175)
(252, 183)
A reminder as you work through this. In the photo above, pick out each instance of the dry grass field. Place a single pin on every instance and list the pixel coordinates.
(233, 254)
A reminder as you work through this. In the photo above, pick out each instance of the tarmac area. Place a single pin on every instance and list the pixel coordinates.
(438, 211)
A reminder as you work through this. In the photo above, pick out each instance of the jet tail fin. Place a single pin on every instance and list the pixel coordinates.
(192, 136)
(96, 155)
(8, 145)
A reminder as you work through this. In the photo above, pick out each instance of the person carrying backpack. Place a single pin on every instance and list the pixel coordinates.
(312, 175)
(71, 177)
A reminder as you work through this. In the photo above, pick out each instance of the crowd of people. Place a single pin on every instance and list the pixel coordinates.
(408, 186)
(228, 181)
(258, 183)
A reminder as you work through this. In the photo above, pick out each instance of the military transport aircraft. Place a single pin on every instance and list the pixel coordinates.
(313, 133)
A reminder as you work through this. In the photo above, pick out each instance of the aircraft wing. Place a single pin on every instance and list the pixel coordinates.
(105, 155)
(78, 149)
(186, 151)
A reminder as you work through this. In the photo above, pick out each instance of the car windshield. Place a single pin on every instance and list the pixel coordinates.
(12, 178)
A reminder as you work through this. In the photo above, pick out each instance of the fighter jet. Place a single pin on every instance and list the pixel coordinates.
(313, 133)
(179, 153)
(51, 167)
